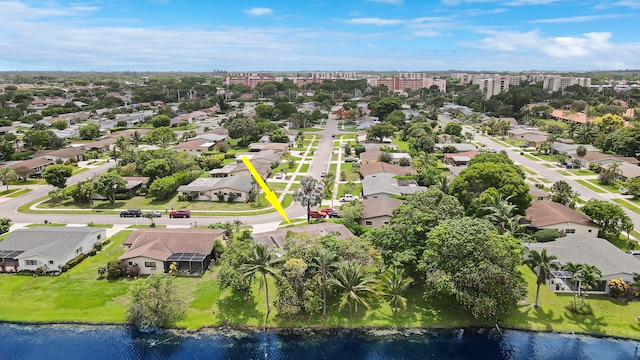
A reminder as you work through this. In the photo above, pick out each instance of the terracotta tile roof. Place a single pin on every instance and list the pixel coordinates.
(370, 155)
(578, 117)
(545, 213)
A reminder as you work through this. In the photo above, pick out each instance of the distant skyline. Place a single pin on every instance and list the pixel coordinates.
(328, 35)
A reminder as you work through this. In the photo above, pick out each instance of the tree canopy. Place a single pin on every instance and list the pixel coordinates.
(467, 262)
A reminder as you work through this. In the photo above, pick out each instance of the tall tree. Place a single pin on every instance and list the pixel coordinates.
(261, 260)
(355, 283)
(309, 194)
(611, 217)
(7, 174)
(155, 302)
(57, 175)
(541, 263)
(562, 192)
(109, 184)
(468, 263)
(322, 265)
(162, 136)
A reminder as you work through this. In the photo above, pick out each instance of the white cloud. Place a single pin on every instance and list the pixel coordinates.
(258, 11)
(556, 47)
(577, 19)
(374, 21)
(633, 4)
(16, 10)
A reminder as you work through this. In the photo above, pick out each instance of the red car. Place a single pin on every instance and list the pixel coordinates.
(316, 214)
(328, 211)
(180, 214)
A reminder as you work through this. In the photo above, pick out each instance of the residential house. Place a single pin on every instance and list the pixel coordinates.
(611, 261)
(211, 137)
(460, 159)
(625, 170)
(37, 165)
(538, 194)
(233, 169)
(276, 238)
(460, 147)
(207, 189)
(195, 147)
(562, 148)
(385, 185)
(278, 147)
(378, 212)
(594, 157)
(366, 123)
(46, 247)
(370, 157)
(396, 157)
(60, 156)
(154, 250)
(381, 167)
(531, 137)
(544, 214)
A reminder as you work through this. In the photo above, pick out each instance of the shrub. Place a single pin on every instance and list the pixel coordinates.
(617, 288)
(93, 252)
(539, 186)
(114, 270)
(230, 155)
(98, 246)
(132, 270)
(579, 309)
(232, 197)
(101, 271)
(545, 235)
(75, 261)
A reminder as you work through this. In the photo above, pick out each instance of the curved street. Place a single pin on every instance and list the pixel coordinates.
(320, 161)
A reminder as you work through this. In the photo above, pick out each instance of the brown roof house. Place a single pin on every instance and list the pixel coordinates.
(378, 212)
(381, 167)
(460, 159)
(276, 238)
(232, 188)
(64, 155)
(195, 147)
(544, 214)
(37, 165)
(153, 250)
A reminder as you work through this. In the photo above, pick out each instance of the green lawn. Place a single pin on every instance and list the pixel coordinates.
(403, 146)
(562, 172)
(79, 170)
(514, 142)
(548, 165)
(527, 170)
(588, 185)
(9, 191)
(611, 188)
(342, 190)
(546, 157)
(545, 180)
(582, 172)
(627, 205)
(80, 296)
(562, 124)
(304, 168)
(500, 142)
(27, 182)
(351, 176)
(531, 157)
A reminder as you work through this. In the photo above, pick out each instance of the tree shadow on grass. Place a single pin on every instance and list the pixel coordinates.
(588, 323)
(546, 317)
(235, 309)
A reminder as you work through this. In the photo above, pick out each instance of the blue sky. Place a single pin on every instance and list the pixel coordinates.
(381, 35)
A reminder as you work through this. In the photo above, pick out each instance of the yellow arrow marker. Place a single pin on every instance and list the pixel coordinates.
(271, 196)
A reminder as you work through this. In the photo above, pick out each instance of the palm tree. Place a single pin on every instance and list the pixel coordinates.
(353, 279)
(260, 260)
(136, 139)
(543, 263)
(322, 265)
(576, 275)
(393, 283)
(591, 276)
(7, 174)
(309, 194)
(237, 223)
(500, 211)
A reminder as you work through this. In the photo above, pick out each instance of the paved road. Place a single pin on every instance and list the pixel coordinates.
(554, 176)
(319, 162)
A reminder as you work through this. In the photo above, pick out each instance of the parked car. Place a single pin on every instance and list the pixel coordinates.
(334, 214)
(131, 213)
(623, 191)
(323, 173)
(279, 176)
(153, 213)
(348, 197)
(315, 214)
(180, 214)
(633, 252)
(569, 165)
(351, 159)
(327, 211)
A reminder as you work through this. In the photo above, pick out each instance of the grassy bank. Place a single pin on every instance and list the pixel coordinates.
(80, 296)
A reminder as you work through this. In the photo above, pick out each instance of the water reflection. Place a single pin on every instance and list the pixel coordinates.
(111, 342)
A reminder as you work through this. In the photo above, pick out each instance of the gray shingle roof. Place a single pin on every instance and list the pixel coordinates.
(48, 241)
(595, 251)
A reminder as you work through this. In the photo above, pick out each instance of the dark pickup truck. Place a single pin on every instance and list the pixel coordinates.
(131, 213)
